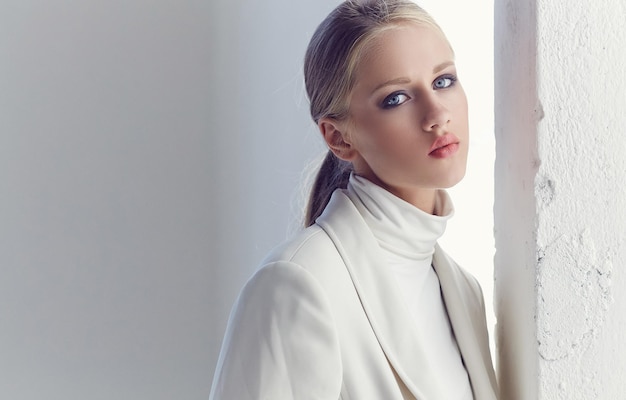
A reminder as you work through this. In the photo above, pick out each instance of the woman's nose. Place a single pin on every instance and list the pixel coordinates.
(436, 114)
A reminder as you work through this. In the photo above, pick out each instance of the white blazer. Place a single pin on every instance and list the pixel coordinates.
(320, 320)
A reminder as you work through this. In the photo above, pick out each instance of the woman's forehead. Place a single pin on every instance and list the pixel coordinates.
(404, 48)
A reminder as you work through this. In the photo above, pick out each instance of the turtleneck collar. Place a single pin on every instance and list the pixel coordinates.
(400, 228)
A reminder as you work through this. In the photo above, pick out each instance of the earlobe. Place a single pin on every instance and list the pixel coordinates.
(335, 137)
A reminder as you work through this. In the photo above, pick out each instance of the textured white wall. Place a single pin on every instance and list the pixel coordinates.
(581, 199)
(561, 223)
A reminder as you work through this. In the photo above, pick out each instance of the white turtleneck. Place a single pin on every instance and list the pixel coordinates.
(407, 236)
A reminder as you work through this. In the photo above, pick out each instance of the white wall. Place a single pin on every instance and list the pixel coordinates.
(151, 153)
(516, 116)
(104, 196)
(560, 222)
(581, 200)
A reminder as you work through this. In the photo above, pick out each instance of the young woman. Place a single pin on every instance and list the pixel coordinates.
(363, 303)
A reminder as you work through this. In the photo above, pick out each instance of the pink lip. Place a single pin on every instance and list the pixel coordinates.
(444, 146)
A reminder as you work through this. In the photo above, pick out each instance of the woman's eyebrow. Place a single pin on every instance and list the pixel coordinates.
(405, 80)
(442, 66)
(394, 81)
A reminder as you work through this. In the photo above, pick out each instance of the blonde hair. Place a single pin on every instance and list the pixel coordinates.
(330, 68)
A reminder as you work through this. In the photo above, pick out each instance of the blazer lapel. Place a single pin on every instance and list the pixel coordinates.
(466, 313)
(389, 318)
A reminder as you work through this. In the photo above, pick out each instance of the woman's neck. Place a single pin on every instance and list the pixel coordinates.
(422, 198)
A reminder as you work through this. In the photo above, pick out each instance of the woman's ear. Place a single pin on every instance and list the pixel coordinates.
(335, 136)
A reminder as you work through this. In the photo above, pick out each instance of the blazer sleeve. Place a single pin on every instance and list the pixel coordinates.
(280, 342)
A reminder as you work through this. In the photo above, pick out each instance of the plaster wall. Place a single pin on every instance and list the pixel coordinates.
(580, 199)
(560, 199)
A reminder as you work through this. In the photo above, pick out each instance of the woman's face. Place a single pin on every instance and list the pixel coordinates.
(408, 123)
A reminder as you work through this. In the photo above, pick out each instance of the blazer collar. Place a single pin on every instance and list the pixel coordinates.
(385, 310)
(466, 312)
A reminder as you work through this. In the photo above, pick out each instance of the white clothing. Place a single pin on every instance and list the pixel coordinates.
(407, 237)
(322, 319)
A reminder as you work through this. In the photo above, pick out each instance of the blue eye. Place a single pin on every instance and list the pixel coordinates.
(394, 100)
(444, 81)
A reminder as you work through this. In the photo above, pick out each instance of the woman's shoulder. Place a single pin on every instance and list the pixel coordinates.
(293, 273)
(281, 340)
(311, 250)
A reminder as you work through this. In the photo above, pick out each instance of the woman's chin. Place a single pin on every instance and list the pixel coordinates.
(453, 180)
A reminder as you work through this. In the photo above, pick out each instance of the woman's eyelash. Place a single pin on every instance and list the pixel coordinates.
(444, 81)
(394, 100)
(397, 98)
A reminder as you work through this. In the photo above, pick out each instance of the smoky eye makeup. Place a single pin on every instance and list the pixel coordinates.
(393, 100)
(444, 81)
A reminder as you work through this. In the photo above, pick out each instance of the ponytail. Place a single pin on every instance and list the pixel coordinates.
(333, 174)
